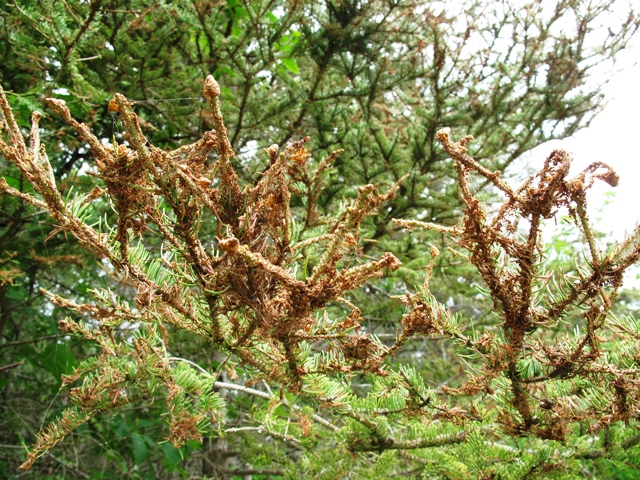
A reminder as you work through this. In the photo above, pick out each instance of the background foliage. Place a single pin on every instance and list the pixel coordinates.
(377, 79)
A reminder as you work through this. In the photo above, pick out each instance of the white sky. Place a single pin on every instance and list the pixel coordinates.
(611, 138)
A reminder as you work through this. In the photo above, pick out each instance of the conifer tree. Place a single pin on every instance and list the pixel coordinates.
(251, 292)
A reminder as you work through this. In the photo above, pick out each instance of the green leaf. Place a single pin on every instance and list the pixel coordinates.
(17, 293)
(140, 451)
(13, 182)
(271, 18)
(58, 359)
(172, 455)
(291, 65)
(120, 427)
(146, 423)
(223, 71)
